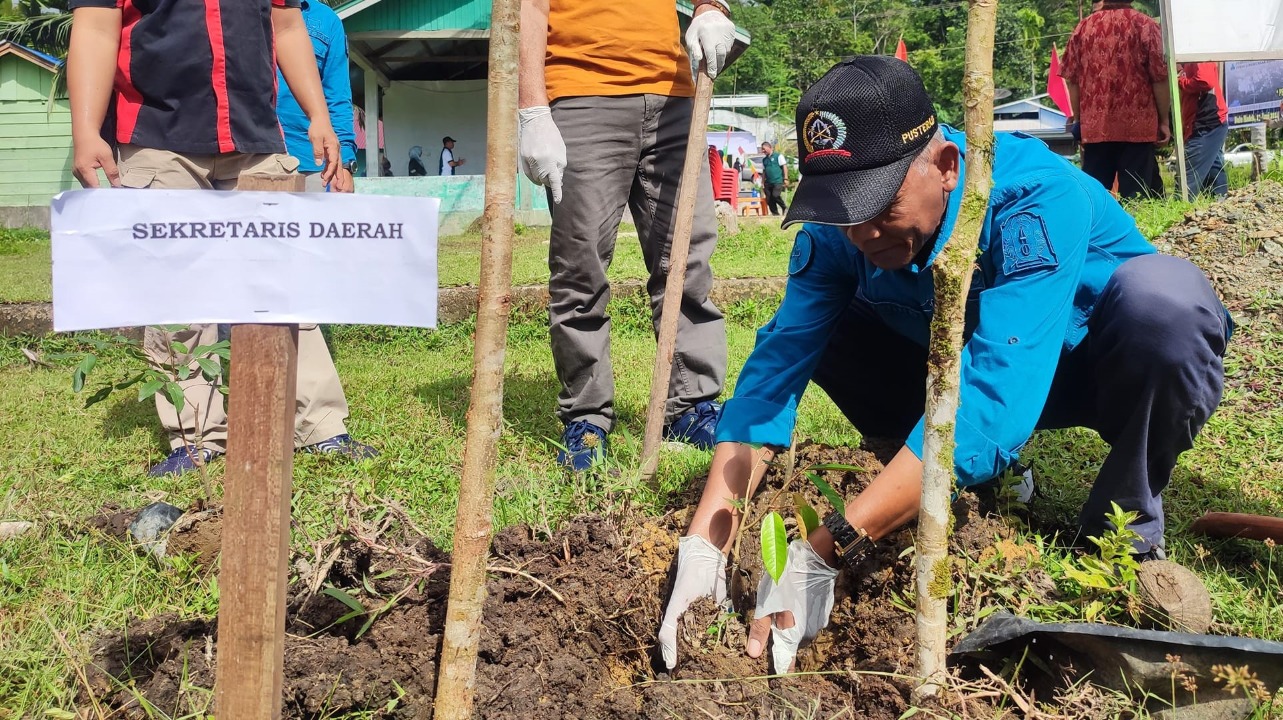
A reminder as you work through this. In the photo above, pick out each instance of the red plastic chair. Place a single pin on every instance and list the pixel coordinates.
(725, 180)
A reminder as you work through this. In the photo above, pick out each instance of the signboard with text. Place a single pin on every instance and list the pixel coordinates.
(1253, 91)
(125, 258)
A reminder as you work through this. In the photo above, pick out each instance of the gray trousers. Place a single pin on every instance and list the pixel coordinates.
(627, 149)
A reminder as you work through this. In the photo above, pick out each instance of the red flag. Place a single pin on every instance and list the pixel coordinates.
(901, 51)
(1056, 88)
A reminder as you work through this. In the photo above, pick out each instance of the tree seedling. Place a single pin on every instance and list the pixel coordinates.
(775, 541)
(151, 379)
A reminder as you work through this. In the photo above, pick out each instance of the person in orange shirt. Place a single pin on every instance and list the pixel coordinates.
(605, 97)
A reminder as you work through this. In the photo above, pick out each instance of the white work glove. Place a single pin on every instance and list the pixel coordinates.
(796, 609)
(701, 572)
(542, 151)
(710, 38)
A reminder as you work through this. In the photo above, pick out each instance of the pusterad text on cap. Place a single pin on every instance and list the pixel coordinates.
(918, 131)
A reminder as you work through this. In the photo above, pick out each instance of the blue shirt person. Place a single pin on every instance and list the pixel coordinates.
(330, 44)
(1073, 319)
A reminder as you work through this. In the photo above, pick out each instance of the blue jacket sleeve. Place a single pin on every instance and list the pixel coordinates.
(337, 85)
(1038, 246)
(763, 410)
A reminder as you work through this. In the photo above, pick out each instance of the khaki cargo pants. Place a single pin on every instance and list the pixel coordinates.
(321, 408)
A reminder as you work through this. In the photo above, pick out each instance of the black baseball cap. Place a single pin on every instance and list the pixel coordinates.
(446, 139)
(858, 130)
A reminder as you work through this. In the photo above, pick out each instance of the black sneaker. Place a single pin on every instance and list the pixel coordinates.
(181, 460)
(342, 445)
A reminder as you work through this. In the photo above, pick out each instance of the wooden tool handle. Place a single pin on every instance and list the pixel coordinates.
(1242, 525)
(696, 156)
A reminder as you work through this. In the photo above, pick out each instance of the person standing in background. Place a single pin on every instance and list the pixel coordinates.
(448, 162)
(169, 125)
(775, 178)
(416, 167)
(1118, 93)
(1206, 127)
(329, 43)
(605, 98)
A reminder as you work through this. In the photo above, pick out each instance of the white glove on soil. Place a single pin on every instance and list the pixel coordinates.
(710, 38)
(806, 591)
(542, 151)
(701, 572)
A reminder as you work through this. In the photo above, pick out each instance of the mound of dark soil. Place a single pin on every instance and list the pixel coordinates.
(585, 654)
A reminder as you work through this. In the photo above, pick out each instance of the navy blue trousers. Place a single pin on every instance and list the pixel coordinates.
(1147, 377)
(1205, 162)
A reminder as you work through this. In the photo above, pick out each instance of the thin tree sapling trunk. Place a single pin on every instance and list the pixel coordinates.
(952, 273)
(456, 681)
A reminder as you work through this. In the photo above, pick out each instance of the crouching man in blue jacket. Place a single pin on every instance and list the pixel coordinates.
(1073, 320)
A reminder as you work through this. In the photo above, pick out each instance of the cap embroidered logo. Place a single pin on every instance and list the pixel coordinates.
(825, 133)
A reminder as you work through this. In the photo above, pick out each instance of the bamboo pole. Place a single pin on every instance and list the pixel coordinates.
(674, 289)
(456, 681)
(253, 573)
(952, 273)
(1173, 87)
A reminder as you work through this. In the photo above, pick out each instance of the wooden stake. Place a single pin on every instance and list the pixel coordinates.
(671, 310)
(256, 509)
(1173, 86)
(952, 273)
(456, 681)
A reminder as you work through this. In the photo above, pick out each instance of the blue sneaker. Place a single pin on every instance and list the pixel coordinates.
(697, 427)
(181, 460)
(342, 445)
(582, 444)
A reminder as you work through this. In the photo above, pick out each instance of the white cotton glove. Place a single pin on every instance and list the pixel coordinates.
(806, 591)
(701, 572)
(710, 38)
(542, 151)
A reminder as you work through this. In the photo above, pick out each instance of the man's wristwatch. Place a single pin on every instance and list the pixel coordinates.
(721, 6)
(850, 543)
(350, 166)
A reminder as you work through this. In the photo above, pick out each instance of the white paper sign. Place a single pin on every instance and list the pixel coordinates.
(125, 258)
(1227, 29)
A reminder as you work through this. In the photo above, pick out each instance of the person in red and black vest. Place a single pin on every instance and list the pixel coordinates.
(181, 94)
(1206, 127)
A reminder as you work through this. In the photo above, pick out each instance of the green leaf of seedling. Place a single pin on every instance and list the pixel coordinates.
(175, 393)
(82, 370)
(184, 372)
(149, 388)
(102, 394)
(129, 381)
(837, 468)
(828, 492)
(210, 368)
(775, 545)
(807, 518)
(346, 599)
